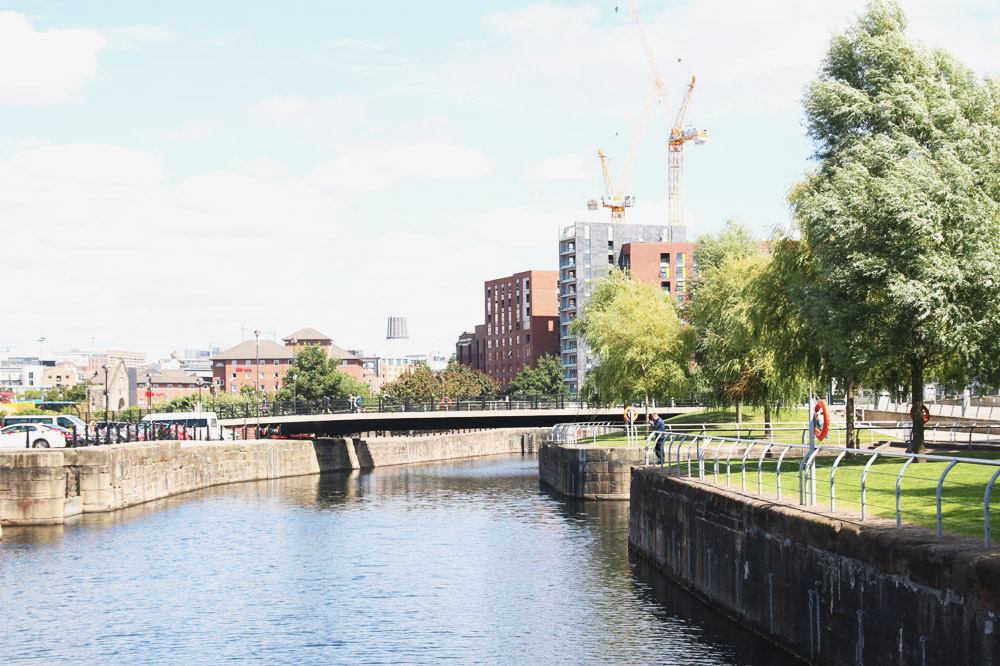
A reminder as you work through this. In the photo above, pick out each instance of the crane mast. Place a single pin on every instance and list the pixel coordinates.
(679, 135)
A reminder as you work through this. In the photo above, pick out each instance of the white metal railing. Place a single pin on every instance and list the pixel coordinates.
(694, 455)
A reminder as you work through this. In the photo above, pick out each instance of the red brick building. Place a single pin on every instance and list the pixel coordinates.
(347, 362)
(246, 364)
(156, 386)
(470, 349)
(522, 322)
(670, 266)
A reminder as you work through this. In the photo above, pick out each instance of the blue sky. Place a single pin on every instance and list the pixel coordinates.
(172, 172)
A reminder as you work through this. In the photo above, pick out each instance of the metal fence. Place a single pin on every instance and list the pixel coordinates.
(883, 483)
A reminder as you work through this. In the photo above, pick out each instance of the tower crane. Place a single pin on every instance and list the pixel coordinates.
(679, 134)
(615, 197)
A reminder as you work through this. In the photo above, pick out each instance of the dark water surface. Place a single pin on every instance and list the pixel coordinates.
(466, 563)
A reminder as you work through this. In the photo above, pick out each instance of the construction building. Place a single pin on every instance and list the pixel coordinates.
(655, 254)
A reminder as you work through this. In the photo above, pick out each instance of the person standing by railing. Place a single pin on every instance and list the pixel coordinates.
(659, 429)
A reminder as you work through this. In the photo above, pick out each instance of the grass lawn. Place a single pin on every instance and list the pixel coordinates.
(751, 428)
(962, 492)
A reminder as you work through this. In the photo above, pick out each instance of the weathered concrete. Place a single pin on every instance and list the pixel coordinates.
(382, 451)
(829, 590)
(48, 486)
(588, 471)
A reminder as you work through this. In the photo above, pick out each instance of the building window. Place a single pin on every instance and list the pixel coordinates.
(665, 286)
(276, 362)
(233, 363)
(276, 375)
(527, 338)
(234, 375)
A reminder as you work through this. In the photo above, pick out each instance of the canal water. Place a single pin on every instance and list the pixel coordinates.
(464, 562)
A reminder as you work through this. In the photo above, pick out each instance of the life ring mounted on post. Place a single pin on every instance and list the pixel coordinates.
(927, 413)
(820, 410)
(446, 402)
(630, 414)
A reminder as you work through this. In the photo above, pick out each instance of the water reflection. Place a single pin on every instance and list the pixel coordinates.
(468, 562)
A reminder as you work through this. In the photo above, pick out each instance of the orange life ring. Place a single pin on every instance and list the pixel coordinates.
(92, 424)
(820, 409)
(446, 401)
(630, 414)
(927, 413)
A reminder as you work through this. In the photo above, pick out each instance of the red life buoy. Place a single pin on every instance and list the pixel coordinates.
(927, 413)
(630, 414)
(446, 401)
(821, 410)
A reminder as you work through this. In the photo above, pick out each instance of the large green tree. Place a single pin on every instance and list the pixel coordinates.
(314, 376)
(903, 211)
(544, 379)
(738, 353)
(641, 343)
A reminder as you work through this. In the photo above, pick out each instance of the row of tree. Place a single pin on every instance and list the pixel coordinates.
(890, 276)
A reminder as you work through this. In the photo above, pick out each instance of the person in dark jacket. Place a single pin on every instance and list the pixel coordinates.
(660, 428)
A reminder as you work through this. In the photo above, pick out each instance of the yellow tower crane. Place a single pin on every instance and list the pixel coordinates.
(679, 135)
(615, 197)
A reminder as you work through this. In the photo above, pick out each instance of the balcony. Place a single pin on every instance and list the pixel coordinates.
(569, 249)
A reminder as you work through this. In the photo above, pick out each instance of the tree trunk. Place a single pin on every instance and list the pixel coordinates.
(917, 418)
(739, 411)
(852, 439)
(767, 421)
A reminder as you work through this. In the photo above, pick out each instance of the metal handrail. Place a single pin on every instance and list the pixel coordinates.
(807, 471)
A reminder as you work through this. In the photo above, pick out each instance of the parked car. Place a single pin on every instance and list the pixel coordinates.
(67, 421)
(37, 435)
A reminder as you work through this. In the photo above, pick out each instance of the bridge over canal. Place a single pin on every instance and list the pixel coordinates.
(345, 423)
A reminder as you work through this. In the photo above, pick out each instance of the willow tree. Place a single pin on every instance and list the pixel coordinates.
(740, 344)
(641, 344)
(902, 211)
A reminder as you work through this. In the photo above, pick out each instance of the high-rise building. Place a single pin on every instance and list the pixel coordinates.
(656, 254)
(521, 322)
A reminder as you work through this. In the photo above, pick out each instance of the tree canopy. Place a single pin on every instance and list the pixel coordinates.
(314, 375)
(454, 380)
(545, 379)
(642, 345)
(737, 348)
(902, 214)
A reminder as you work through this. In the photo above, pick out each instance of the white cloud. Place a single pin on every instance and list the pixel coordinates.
(568, 167)
(48, 67)
(196, 128)
(131, 36)
(372, 166)
(329, 118)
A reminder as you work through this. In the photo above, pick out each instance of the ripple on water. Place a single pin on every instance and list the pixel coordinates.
(463, 562)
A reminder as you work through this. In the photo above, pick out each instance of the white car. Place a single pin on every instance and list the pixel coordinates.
(30, 435)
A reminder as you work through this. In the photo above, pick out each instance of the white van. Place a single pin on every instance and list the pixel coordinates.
(67, 421)
(198, 425)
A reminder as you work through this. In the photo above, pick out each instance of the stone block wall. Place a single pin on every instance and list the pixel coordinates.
(830, 591)
(588, 471)
(42, 486)
(382, 451)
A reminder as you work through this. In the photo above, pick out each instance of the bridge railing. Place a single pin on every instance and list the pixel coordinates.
(941, 492)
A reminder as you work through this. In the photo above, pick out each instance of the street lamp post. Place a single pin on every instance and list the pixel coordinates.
(256, 335)
(105, 368)
(295, 379)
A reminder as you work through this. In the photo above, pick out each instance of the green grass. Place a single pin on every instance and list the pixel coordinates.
(962, 492)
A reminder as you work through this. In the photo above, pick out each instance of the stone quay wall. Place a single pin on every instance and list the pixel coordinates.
(47, 486)
(588, 471)
(830, 591)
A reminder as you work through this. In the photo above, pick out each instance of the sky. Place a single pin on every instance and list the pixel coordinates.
(176, 175)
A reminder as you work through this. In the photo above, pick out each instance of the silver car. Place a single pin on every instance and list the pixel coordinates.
(30, 435)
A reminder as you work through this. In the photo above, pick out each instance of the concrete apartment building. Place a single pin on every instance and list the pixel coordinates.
(521, 314)
(655, 254)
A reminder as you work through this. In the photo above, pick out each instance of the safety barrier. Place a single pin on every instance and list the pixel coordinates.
(868, 475)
